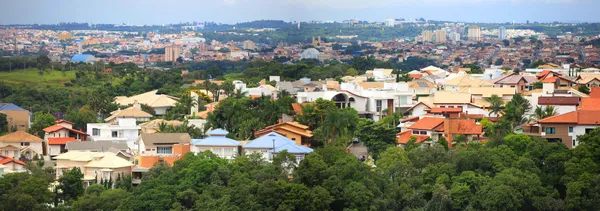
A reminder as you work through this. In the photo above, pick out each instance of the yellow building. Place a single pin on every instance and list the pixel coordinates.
(293, 130)
(427, 36)
(440, 36)
(248, 45)
(65, 36)
(474, 33)
(172, 53)
(316, 42)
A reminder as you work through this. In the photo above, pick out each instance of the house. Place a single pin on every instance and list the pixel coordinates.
(100, 146)
(154, 125)
(589, 80)
(565, 127)
(11, 165)
(159, 102)
(434, 128)
(95, 166)
(21, 144)
(217, 143)
(295, 131)
(422, 87)
(124, 130)
(57, 136)
(134, 112)
(17, 117)
(460, 82)
(564, 99)
(518, 82)
(161, 147)
(273, 143)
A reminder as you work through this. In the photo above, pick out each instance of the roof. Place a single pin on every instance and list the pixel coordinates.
(96, 159)
(581, 117)
(468, 80)
(303, 129)
(20, 136)
(462, 126)
(590, 103)
(60, 141)
(404, 136)
(489, 91)
(82, 57)
(150, 98)
(10, 107)
(555, 100)
(5, 160)
(292, 148)
(445, 110)
(165, 138)
(443, 97)
(215, 140)
(157, 122)
(371, 85)
(421, 83)
(269, 141)
(58, 127)
(98, 146)
(513, 79)
(131, 112)
(427, 123)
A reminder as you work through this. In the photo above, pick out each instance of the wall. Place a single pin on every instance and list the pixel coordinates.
(561, 131)
(53, 150)
(580, 130)
(17, 119)
(160, 110)
(419, 110)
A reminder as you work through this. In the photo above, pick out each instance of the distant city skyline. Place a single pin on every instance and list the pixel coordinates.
(233, 11)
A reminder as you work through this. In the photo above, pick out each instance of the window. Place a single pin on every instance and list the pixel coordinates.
(550, 130)
(574, 142)
(423, 132)
(299, 158)
(570, 129)
(416, 132)
(23, 144)
(379, 104)
(403, 100)
(164, 150)
(115, 134)
(588, 130)
(96, 132)
(228, 152)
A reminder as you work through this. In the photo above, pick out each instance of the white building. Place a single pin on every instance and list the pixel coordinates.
(217, 143)
(124, 131)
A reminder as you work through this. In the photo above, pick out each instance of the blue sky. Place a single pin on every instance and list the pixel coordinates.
(232, 11)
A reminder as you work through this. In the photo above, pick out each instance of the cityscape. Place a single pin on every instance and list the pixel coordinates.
(331, 111)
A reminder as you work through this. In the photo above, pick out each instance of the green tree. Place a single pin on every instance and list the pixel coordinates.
(541, 113)
(41, 120)
(3, 124)
(375, 136)
(584, 89)
(81, 117)
(496, 104)
(71, 185)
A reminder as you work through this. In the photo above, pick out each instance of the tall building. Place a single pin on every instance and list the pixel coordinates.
(316, 42)
(455, 36)
(502, 33)
(474, 33)
(440, 36)
(389, 22)
(248, 45)
(172, 53)
(427, 36)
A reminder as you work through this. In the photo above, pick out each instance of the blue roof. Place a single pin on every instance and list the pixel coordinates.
(268, 141)
(10, 107)
(218, 132)
(293, 148)
(216, 138)
(81, 57)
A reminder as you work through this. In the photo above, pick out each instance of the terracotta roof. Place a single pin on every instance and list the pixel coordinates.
(445, 110)
(462, 126)
(20, 136)
(297, 107)
(304, 131)
(582, 117)
(63, 121)
(443, 97)
(57, 127)
(549, 80)
(131, 112)
(410, 119)
(5, 160)
(427, 123)
(60, 141)
(416, 75)
(595, 92)
(558, 100)
(420, 103)
(371, 85)
(404, 137)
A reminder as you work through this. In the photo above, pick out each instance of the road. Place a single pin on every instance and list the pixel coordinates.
(358, 149)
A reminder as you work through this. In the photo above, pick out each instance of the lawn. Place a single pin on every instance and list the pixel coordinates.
(32, 76)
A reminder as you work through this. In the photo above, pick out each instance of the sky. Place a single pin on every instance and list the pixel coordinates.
(234, 11)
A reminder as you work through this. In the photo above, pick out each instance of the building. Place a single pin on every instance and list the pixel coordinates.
(85, 58)
(133, 112)
(310, 53)
(17, 117)
(316, 42)
(502, 33)
(172, 53)
(154, 125)
(565, 127)
(124, 131)
(455, 36)
(161, 147)
(65, 36)
(272, 144)
(389, 22)
(427, 36)
(100, 146)
(10, 165)
(299, 133)
(474, 33)
(57, 136)
(95, 166)
(430, 129)
(160, 103)
(459, 83)
(248, 45)
(440, 36)
(21, 144)
(217, 143)
(519, 82)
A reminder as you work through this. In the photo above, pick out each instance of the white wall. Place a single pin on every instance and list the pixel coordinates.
(160, 110)
(579, 130)
(419, 110)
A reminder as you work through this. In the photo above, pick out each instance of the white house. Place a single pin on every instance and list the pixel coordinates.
(272, 144)
(124, 131)
(217, 143)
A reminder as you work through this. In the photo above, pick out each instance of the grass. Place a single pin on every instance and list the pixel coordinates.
(32, 76)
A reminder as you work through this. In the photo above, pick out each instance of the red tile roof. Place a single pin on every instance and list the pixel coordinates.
(5, 160)
(62, 120)
(462, 126)
(595, 92)
(581, 117)
(590, 103)
(404, 137)
(60, 141)
(416, 75)
(427, 123)
(549, 80)
(558, 100)
(58, 127)
(445, 110)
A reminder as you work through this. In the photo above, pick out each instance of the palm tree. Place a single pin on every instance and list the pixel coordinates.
(542, 113)
(496, 104)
